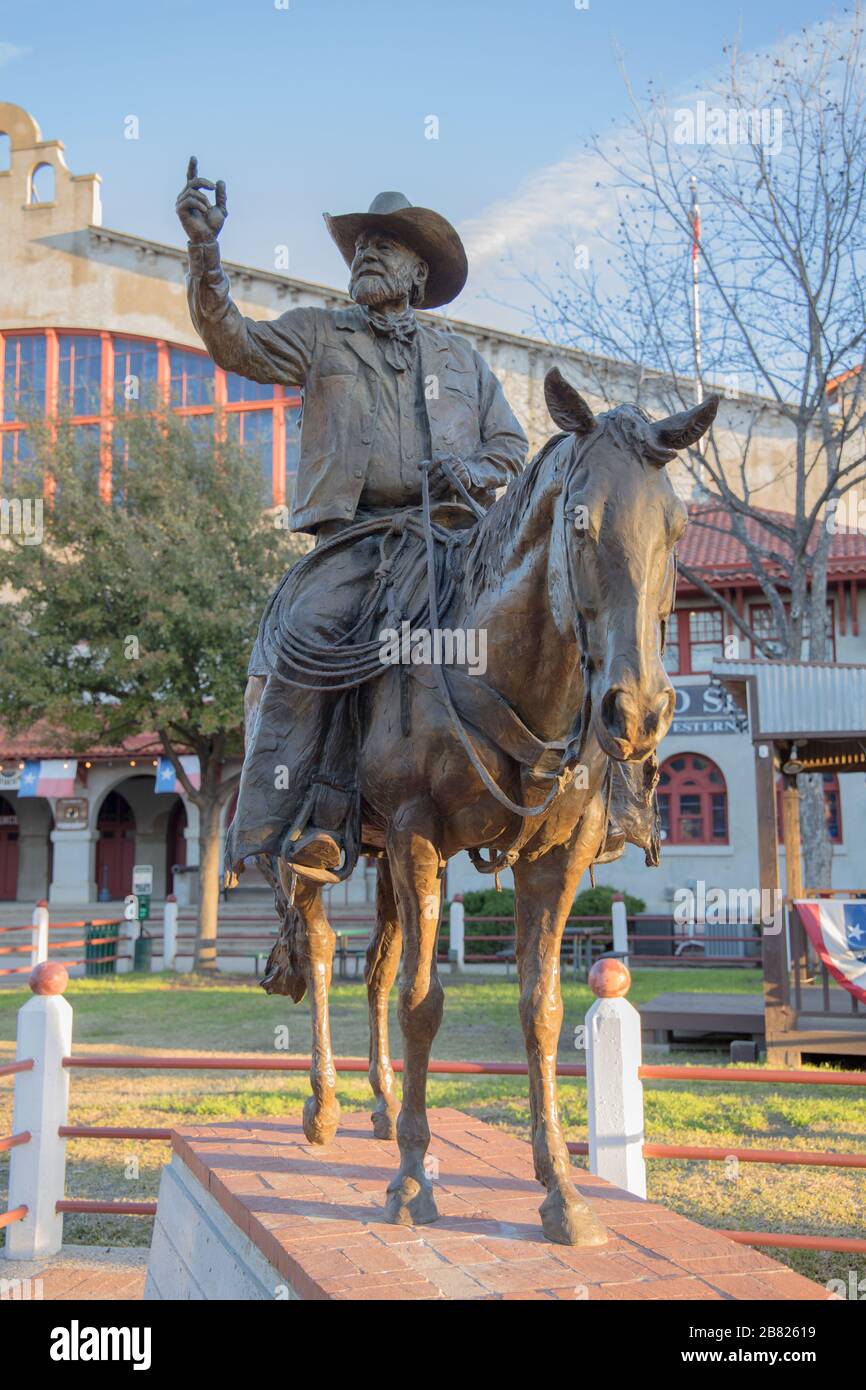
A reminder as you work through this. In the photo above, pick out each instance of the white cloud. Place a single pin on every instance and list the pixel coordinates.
(10, 51)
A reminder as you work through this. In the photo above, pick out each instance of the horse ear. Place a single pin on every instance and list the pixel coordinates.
(567, 407)
(683, 430)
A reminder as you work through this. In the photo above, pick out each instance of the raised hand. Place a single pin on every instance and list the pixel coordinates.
(202, 221)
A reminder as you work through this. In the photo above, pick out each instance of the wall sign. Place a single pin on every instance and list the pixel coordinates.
(71, 812)
(706, 709)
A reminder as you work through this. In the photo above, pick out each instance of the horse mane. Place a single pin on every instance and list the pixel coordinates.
(498, 529)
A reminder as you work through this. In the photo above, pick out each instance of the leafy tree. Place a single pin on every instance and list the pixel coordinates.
(138, 610)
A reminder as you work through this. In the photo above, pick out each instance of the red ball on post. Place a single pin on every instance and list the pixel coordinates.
(51, 977)
(609, 978)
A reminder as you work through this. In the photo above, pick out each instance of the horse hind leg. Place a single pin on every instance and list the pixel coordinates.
(321, 1109)
(383, 960)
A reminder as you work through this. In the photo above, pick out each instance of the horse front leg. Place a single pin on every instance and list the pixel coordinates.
(321, 1109)
(415, 865)
(383, 960)
(544, 892)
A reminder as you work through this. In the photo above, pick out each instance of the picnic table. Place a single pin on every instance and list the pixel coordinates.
(351, 945)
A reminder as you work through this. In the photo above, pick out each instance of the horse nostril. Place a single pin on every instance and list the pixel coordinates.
(613, 714)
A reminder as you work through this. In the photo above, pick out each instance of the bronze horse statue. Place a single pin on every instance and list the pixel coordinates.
(572, 575)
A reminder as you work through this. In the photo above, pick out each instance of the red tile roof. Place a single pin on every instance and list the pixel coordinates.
(710, 548)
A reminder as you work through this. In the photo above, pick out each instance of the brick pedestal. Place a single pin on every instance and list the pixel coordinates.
(252, 1211)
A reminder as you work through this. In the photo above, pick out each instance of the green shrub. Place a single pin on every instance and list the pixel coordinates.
(486, 902)
(595, 902)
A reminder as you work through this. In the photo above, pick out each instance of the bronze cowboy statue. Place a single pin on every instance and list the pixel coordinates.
(545, 762)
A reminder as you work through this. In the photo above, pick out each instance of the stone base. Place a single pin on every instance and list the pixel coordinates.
(252, 1211)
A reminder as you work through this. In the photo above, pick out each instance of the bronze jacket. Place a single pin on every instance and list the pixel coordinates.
(332, 354)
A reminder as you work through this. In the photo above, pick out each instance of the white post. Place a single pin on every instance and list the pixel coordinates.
(169, 932)
(37, 1169)
(39, 941)
(619, 919)
(614, 1089)
(456, 937)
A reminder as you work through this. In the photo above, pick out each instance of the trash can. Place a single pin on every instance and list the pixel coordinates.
(100, 949)
(142, 954)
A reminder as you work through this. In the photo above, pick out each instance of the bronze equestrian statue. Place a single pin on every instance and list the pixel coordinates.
(546, 762)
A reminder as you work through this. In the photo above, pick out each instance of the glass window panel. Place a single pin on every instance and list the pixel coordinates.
(672, 646)
(705, 637)
(253, 430)
(664, 804)
(238, 388)
(192, 378)
(719, 811)
(19, 463)
(293, 444)
(24, 376)
(135, 372)
(80, 374)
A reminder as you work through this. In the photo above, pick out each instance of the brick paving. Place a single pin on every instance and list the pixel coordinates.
(80, 1273)
(315, 1214)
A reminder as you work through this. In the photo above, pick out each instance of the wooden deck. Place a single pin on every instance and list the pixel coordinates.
(742, 1016)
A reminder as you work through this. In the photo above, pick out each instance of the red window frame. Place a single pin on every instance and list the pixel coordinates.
(831, 625)
(692, 788)
(679, 635)
(283, 401)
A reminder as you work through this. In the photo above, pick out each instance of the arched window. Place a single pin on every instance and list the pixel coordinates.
(42, 184)
(832, 808)
(693, 801)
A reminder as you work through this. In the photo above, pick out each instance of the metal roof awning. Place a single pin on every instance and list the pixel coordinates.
(820, 706)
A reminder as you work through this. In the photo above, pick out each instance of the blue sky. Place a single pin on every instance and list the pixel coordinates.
(322, 104)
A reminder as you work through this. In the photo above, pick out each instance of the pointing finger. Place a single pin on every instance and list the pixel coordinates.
(192, 168)
(220, 196)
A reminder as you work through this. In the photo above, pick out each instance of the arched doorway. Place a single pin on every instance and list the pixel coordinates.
(8, 851)
(115, 847)
(175, 843)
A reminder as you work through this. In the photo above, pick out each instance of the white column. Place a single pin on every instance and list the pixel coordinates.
(456, 923)
(73, 866)
(169, 932)
(619, 920)
(37, 1169)
(39, 946)
(614, 1089)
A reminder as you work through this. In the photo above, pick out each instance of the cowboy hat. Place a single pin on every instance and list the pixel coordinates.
(425, 231)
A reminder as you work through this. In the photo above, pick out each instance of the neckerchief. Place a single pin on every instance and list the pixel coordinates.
(398, 333)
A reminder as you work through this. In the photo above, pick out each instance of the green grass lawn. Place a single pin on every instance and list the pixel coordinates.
(184, 1013)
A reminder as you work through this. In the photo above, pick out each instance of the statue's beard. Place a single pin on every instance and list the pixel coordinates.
(373, 290)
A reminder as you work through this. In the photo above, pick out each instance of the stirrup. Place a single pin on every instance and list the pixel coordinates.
(316, 855)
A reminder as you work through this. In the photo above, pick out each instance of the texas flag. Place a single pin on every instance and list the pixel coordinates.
(167, 779)
(48, 777)
(837, 930)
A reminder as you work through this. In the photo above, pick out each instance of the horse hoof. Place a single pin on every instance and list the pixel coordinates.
(384, 1124)
(566, 1220)
(410, 1203)
(320, 1124)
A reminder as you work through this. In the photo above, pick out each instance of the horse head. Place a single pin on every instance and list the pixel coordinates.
(619, 520)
